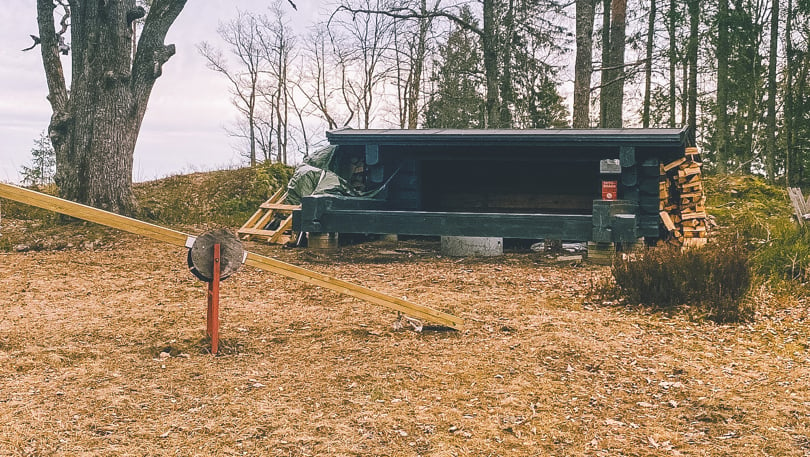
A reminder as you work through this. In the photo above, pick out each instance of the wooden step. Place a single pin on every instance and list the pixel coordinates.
(279, 206)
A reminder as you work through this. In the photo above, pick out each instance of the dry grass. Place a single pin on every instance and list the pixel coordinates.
(542, 369)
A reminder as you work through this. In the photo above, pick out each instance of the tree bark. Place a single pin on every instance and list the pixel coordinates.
(613, 90)
(770, 121)
(721, 122)
(692, 58)
(645, 115)
(673, 63)
(585, 12)
(604, 76)
(94, 129)
(489, 48)
(507, 98)
(791, 176)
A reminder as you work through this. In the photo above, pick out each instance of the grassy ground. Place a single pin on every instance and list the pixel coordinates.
(102, 353)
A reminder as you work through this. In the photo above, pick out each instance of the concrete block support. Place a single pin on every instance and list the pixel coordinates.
(322, 241)
(469, 246)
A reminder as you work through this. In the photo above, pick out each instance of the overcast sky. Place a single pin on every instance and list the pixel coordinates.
(183, 127)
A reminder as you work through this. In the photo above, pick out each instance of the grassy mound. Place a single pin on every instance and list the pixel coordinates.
(226, 197)
(757, 216)
(219, 198)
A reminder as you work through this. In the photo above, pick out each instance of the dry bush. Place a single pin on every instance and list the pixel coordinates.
(715, 279)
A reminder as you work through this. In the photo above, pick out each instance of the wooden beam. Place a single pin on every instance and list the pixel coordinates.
(177, 238)
(88, 213)
(506, 225)
(279, 206)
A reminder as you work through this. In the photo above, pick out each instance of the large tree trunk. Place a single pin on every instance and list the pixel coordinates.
(673, 62)
(95, 126)
(645, 115)
(791, 176)
(770, 122)
(613, 91)
(506, 90)
(604, 74)
(721, 123)
(584, 63)
(418, 67)
(489, 46)
(692, 58)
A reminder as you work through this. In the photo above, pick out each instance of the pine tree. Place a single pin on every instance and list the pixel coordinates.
(458, 100)
(43, 163)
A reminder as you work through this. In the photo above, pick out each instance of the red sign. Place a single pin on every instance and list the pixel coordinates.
(609, 189)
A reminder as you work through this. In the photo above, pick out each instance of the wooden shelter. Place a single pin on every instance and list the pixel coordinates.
(533, 184)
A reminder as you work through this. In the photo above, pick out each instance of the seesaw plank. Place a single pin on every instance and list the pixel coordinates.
(178, 238)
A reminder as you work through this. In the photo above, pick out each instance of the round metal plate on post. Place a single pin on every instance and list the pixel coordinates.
(201, 258)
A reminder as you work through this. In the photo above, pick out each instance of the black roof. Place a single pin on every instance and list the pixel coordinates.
(503, 137)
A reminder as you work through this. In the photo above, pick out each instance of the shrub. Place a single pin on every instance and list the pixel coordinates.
(715, 280)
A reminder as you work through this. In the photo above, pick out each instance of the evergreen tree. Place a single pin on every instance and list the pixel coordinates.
(458, 100)
(43, 163)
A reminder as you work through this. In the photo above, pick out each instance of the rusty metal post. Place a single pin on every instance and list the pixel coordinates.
(212, 318)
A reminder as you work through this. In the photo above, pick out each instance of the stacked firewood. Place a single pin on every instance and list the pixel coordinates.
(683, 204)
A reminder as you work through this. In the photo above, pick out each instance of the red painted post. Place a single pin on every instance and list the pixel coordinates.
(212, 320)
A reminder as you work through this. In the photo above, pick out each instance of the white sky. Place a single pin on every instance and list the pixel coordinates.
(183, 128)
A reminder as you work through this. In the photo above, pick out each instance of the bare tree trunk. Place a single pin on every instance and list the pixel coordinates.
(673, 62)
(417, 67)
(791, 176)
(721, 123)
(489, 47)
(685, 90)
(645, 115)
(770, 121)
(692, 58)
(584, 63)
(613, 91)
(604, 78)
(95, 126)
(403, 86)
(320, 81)
(506, 92)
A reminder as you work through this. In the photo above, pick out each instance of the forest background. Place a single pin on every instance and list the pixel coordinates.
(735, 71)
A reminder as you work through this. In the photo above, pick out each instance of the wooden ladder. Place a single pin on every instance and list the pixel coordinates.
(256, 226)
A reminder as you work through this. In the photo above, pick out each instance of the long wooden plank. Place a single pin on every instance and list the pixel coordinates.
(178, 238)
(91, 214)
(344, 287)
